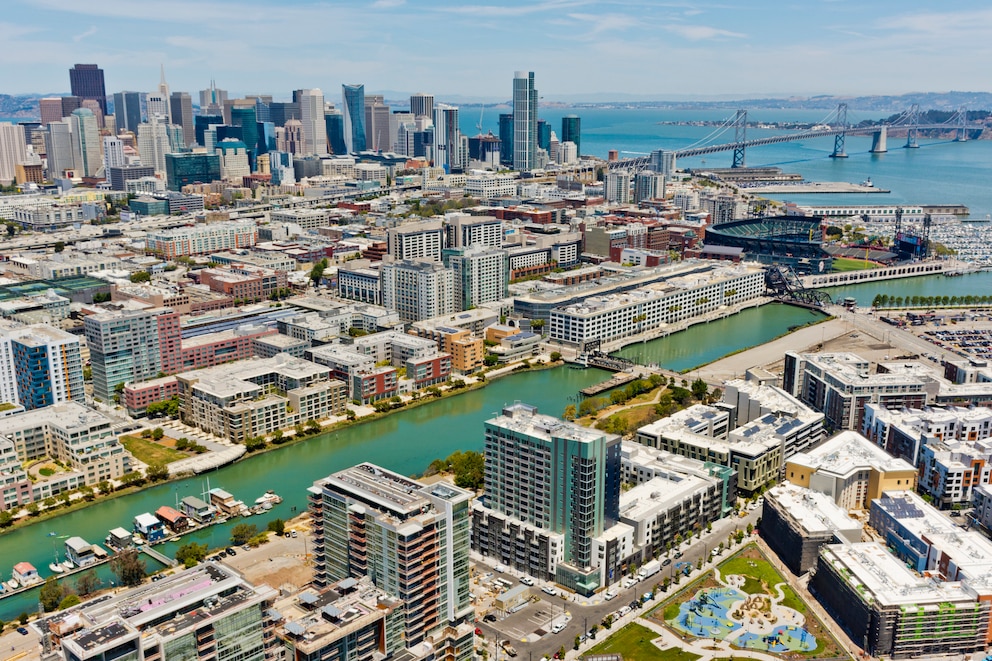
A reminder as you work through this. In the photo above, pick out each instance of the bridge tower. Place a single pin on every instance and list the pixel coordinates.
(962, 125)
(913, 120)
(840, 137)
(740, 137)
(879, 140)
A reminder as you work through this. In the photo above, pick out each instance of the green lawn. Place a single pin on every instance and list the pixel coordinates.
(151, 452)
(842, 264)
(633, 642)
(762, 572)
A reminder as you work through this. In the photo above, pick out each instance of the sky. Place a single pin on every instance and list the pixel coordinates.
(468, 49)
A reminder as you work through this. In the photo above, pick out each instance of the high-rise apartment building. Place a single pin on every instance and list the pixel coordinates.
(130, 346)
(86, 82)
(181, 110)
(462, 230)
(555, 476)
(85, 142)
(571, 131)
(127, 111)
(353, 106)
(616, 187)
(422, 105)
(13, 150)
(113, 155)
(524, 121)
(417, 289)
(312, 117)
(47, 365)
(411, 539)
(447, 138)
(481, 275)
(648, 185)
(419, 240)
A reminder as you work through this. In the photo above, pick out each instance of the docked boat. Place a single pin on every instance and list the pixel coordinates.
(67, 565)
(268, 499)
(12, 585)
(56, 567)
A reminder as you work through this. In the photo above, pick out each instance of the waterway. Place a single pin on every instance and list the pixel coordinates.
(979, 283)
(405, 442)
(704, 343)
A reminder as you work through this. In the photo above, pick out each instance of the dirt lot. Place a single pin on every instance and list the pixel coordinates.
(279, 562)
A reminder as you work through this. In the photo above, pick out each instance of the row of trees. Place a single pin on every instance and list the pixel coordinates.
(468, 468)
(886, 301)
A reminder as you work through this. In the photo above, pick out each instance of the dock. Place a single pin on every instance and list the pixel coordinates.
(618, 379)
(160, 557)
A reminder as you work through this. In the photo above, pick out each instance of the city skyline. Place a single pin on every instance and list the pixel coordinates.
(698, 50)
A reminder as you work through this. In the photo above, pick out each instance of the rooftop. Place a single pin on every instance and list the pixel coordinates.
(848, 452)
(525, 419)
(813, 511)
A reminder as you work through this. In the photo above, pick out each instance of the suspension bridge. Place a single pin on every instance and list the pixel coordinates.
(838, 127)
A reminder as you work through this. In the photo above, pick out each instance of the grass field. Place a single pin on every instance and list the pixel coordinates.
(151, 452)
(842, 264)
(633, 642)
(760, 577)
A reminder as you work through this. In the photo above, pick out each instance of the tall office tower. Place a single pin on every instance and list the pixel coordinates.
(245, 117)
(163, 92)
(312, 117)
(50, 108)
(181, 111)
(85, 142)
(411, 539)
(281, 112)
(524, 121)
(571, 130)
(86, 82)
(447, 138)
(648, 185)
(202, 123)
(177, 141)
(377, 124)
(212, 100)
(293, 142)
(406, 138)
(396, 119)
(156, 104)
(544, 135)
(94, 107)
(266, 137)
(616, 187)
(422, 105)
(481, 275)
(334, 125)
(58, 148)
(127, 111)
(70, 103)
(557, 476)
(153, 143)
(47, 365)
(506, 138)
(13, 150)
(462, 230)
(568, 153)
(353, 106)
(419, 240)
(262, 104)
(113, 154)
(417, 289)
(233, 160)
(131, 346)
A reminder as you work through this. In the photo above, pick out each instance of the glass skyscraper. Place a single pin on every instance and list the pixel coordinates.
(506, 138)
(86, 82)
(353, 97)
(127, 110)
(571, 129)
(334, 123)
(524, 121)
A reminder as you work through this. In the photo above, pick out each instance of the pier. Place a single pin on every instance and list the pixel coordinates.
(160, 557)
(885, 273)
(618, 379)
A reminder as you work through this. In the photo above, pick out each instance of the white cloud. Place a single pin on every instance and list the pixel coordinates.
(82, 35)
(703, 32)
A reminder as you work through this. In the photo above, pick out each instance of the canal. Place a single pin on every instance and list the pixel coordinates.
(704, 343)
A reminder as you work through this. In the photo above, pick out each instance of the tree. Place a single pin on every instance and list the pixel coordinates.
(23, 618)
(141, 276)
(278, 526)
(578, 641)
(157, 472)
(158, 434)
(242, 532)
(33, 509)
(6, 519)
(699, 389)
(317, 272)
(570, 412)
(490, 359)
(254, 443)
(191, 554)
(69, 601)
(128, 567)
(50, 595)
(59, 246)
(88, 583)
(681, 395)
(313, 426)
(555, 356)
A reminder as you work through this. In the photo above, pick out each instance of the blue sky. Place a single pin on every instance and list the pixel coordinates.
(578, 48)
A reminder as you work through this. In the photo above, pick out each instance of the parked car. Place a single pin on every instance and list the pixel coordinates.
(547, 589)
(558, 628)
(527, 580)
(22, 631)
(610, 594)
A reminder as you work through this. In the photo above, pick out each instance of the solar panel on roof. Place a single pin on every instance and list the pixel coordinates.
(295, 628)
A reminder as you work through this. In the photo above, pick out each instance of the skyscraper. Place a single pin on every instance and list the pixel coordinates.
(130, 346)
(481, 275)
(201, 124)
(411, 539)
(571, 130)
(212, 100)
(334, 124)
(113, 154)
(58, 148)
(245, 117)
(377, 124)
(47, 365)
(544, 135)
(127, 111)
(312, 117)
(181, 109)
(353, 98)
(506, 138)
(153, 143)
(447, 138)
(524, 121)
(85, 142)
(13, 150)
(422, 105)
(86, 82)
(50, 108)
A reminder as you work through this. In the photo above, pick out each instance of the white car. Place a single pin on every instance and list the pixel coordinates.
(547, 589)
(527, 580)
(558, 628)
(610, 594)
